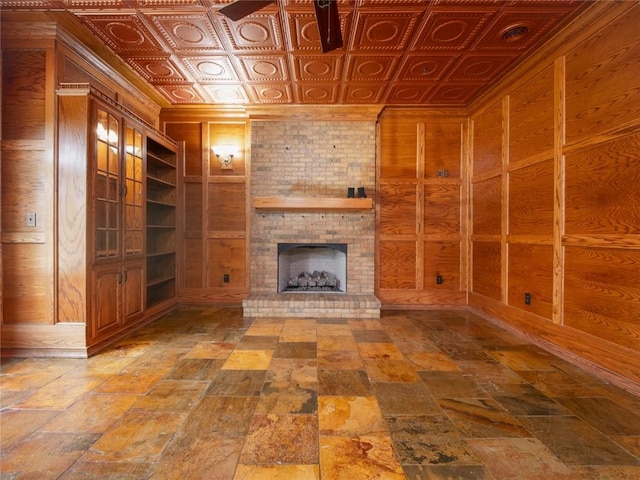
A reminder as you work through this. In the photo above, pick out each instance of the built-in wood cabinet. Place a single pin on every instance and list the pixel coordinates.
(161, 222)
(116, 170)
(119, 191)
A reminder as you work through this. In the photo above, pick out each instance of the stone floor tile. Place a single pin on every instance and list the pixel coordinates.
(350, 416)
(248, 360)
(575, 442)
(344, 382)
(15, 425)
(281, 439)
(138, 436)
(296, 350)
(447, 472)
(521, 458)
(93, 413)
(432, 362)
(390, 370)
(195, 457)
(293, 370)
(172, 396)
(82, 470)
(618, 420)
(213, 350)
(195, 369)
(451, 384)
(277, 472)
(45, 455)
(405, 399)
(221, 416)
(347, 458)
(340, 360)
(482, 417)
(285, 398)
(237, 383)
(429, 440)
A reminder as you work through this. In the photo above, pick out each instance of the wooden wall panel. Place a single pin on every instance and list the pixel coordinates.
(487, 140)
(397, 209)
(531, 109)
(193, 203)
(421, 214)
(227, 204)
(442, 258)
(487, 207)
(486, 268)
(23, 185)
(397, 264)
(602, 293)
(530, 271)
(23, 94)
(442, 209)
(602, 79)
(191, 134)
(73, 111)
(602, 188)
(531, 193)
(26, 286)
(443, 149)
(194, 263)
(572, 199)
(193, 258)
(227, 256)
(398, 150)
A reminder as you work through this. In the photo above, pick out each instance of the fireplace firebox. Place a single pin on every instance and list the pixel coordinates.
(312, 267)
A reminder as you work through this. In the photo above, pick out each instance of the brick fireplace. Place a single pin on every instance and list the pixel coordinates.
(312, 160)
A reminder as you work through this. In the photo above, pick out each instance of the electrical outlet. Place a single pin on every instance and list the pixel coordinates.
(31, 219)
(439, 279)
(527, 298)
(225, 278)
(438, 173)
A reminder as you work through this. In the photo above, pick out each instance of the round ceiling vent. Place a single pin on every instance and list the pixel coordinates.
(514, 33)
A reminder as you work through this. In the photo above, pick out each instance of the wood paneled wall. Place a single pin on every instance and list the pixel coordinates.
(214, 249)
(555, 203)
(421, 214)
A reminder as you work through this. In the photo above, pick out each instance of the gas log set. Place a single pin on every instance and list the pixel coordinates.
(313, 282)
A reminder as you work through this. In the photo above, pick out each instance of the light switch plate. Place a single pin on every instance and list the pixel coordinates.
(31, 219)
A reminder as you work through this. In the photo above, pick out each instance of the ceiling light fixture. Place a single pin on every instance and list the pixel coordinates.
(514, 33)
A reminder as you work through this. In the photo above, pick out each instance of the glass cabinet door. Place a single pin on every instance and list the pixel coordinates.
(133, 209)
(107, 189)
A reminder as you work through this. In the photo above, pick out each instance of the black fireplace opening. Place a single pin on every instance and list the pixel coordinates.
(312, 267)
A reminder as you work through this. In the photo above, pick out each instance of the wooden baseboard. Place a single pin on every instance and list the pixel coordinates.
(404, 299)
(58, 340)
(614, 363)
(220, 297)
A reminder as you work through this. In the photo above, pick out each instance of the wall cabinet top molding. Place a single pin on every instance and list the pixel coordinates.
(310, 204)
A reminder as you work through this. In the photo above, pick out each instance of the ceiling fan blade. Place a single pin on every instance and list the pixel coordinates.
(328, 24)
(241, 8)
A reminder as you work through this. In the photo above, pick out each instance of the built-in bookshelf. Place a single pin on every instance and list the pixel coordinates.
(161, 222)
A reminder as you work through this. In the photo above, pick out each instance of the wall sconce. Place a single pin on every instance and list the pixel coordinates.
(224, 154)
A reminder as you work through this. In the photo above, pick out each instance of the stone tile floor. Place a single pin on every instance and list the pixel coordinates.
(204, 393)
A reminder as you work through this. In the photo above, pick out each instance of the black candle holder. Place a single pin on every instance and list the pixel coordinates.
(351, 192)
(361, 193)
